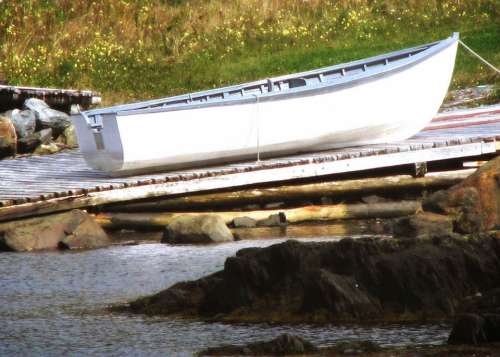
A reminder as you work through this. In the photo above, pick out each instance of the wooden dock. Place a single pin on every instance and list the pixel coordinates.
(14, 97)
(42, 184)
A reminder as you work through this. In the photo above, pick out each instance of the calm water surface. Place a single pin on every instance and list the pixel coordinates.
(53, 304)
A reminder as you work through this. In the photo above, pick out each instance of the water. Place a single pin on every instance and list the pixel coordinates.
(54, 304)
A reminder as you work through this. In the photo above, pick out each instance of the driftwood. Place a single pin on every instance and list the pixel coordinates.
(293, 215)
(295, 192)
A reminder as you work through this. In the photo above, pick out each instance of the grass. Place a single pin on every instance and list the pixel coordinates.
(131, 50)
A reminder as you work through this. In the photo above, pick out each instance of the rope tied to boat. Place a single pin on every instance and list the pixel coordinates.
(478, 56)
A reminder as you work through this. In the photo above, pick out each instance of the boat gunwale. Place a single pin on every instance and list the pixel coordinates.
(426, 51)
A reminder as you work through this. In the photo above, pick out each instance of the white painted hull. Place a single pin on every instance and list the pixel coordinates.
(387, 108)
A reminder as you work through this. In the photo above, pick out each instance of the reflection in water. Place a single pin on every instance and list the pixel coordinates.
(53, 304)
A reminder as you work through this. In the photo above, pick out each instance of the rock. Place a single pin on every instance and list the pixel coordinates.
(88, 234)
(52, 232)
(47, 117)
(423, 225)
(244, 222)
(24, 121)
(70, 138)
(350, 280)
(28, 144)
(274, 220)
(474, 203)
(45, 136)
(197, 229)
(284, 344)
(474, 329)
(8, 137)
(45, 149)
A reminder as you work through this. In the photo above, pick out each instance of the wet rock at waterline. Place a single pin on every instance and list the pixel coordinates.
(423, 225)
(282, 345)
(70, 230)
(8, 137)
(475, 329)
(474, 203)
(349, 280)
(47, 117)
(480, 321)
(197, 230)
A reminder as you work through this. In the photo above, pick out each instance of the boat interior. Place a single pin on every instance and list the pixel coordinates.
(281, 84)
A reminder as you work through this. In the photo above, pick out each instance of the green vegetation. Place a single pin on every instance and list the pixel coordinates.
(131, 50)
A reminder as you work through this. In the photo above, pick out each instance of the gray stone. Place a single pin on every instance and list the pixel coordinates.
(274, 220)
(45, 135)
(47, 117)
(244, 222)
(74, 229)
(199, 229)
(24, 121)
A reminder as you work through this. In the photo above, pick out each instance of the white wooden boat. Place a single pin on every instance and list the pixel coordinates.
(377, 100)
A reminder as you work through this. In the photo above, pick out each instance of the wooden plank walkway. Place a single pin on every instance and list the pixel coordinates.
(14, 97)
(42, 184)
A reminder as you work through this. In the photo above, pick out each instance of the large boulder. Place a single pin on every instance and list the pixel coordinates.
(47, 117)
(24, 121)
(74, 229)
(350, 280)
(474, 203)
(8, 137)
(197, 229)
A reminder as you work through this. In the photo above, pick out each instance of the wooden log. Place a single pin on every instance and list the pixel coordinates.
(293, 215)
(100, 198)
(434, 180)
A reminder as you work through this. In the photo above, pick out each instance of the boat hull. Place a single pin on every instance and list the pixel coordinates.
(375, 109)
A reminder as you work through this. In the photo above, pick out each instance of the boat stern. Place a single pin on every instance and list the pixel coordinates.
(99, 141)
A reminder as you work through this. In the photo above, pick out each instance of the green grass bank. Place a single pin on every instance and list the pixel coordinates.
(131, 50)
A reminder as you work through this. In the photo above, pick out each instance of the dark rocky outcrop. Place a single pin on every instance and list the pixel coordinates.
(198, 229)
(70, 230)
(474, 203)
(349, 280)
(280, 346)
(480, 322)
